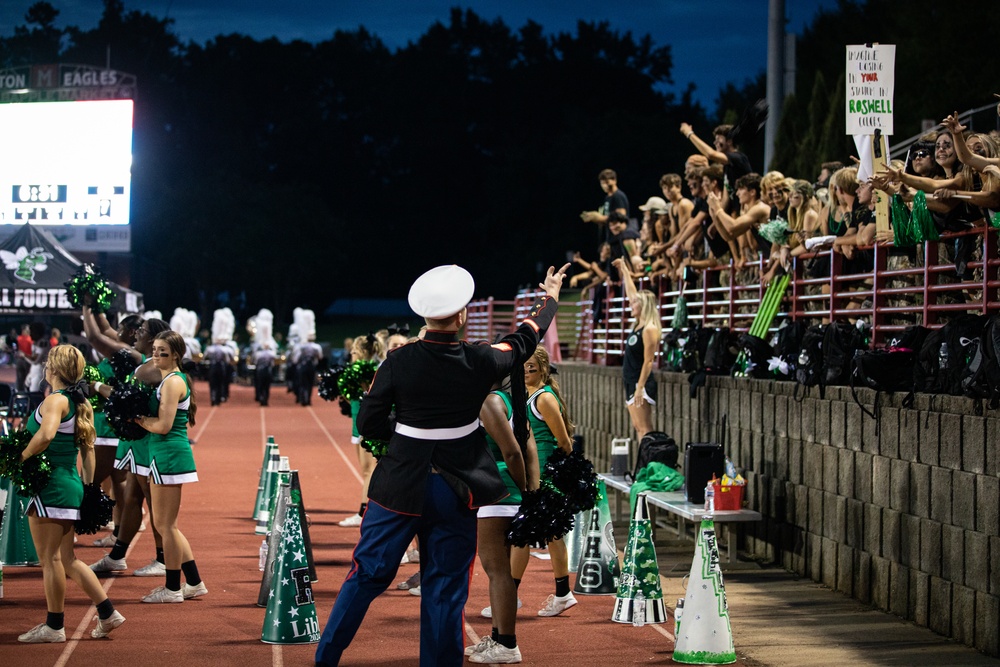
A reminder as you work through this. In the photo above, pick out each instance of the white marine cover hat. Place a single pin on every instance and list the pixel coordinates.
(441, 292)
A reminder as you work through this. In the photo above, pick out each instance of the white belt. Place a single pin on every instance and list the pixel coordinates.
(437, 433)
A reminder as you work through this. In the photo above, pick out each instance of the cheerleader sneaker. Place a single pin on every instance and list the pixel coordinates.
(43, 634)
(195, 591)
(487, 612)
(556, 605)
(104, 627)
(107, 542)
(496, 654)
(109, 564)
(480, 647)
(350, 522)
(412, 582)
(162, 594)
(154, 569)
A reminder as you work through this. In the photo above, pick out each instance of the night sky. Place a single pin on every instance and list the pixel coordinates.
(712, 43)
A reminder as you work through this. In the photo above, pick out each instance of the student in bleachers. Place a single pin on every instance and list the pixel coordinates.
(752, 213)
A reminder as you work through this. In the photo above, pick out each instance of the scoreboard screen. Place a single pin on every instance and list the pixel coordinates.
(66, 163)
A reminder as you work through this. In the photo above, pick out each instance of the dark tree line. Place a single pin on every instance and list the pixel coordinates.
(300, 172)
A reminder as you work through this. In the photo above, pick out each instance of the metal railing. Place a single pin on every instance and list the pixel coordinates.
(924, 290)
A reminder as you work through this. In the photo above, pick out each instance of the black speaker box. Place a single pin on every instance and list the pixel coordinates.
(702, 460)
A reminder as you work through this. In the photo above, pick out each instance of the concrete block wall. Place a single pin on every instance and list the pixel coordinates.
(903, 514)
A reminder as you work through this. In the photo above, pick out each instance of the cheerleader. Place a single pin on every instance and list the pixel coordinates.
(107, 341)
(519, 470)
(171, 465)
(552, 428)
(640, 354)
(63, 426)
(363, 348)
(132, 457)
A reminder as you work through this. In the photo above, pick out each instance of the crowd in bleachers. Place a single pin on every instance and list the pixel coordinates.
(721, 212)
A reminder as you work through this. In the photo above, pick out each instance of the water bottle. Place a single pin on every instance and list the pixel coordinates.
(639, 610)
(710, 498)
(263, 556)
(943, 356)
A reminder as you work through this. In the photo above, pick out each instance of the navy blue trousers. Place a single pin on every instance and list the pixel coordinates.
(447, 531)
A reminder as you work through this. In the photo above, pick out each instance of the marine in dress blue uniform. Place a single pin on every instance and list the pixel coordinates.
(437, 470)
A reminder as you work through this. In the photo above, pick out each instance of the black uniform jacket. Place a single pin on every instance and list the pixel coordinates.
(441, 382)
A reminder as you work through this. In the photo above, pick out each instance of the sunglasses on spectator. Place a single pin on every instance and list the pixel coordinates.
(921, 154)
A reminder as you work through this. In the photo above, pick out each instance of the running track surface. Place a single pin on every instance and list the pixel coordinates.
(224, 627)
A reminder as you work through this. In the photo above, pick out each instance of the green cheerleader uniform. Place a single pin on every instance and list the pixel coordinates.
(515, 493)
(171, 460)
(133, 455)
(106, 436)
(355, 436)
(61, 498)
(544, 440)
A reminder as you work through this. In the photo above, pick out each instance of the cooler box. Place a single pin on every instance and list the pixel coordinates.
(702, 461)
(729, 497)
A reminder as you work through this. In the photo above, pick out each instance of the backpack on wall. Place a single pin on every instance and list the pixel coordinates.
(672, 353)
(786, 343)
(720, 355)
(754, 355)
(840, 342)
(655, 446)
(809, 366)
(889, 369)
(684, 349)
(950, 358)
(719, 358)
(987, 381)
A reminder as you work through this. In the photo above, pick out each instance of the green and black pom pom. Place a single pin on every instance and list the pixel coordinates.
(574, 477)
(28, 477)
(128, 401)
(89, 281)
(355, 379)
(95, 510)
(328, 381)
(543, 516)
(92, 374)
(123, 364)
(378, 448)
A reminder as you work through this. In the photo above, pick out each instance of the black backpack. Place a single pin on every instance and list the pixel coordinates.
(787, 343)
(655, 446)
(809, 365)
(718, 360)
(754, 356)
(695, 345)
(987, 381)
(840, 342)
(950, 358)
(889, 369)
(673, 354)
(720, 355)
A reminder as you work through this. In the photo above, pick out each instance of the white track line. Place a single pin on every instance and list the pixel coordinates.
(350, 465)
(663, 632)
(203, 425)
